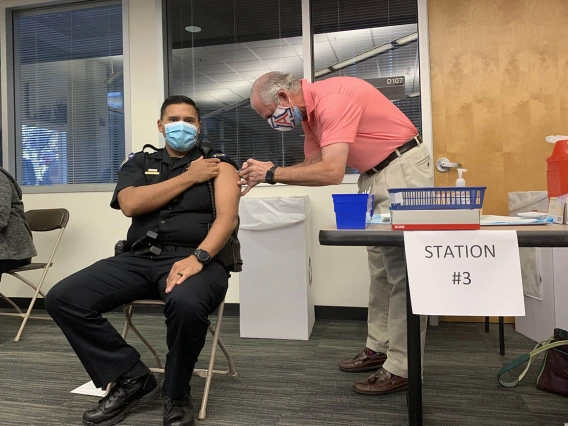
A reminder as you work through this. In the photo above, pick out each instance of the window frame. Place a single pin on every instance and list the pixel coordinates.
(308, 55)
(9, 87)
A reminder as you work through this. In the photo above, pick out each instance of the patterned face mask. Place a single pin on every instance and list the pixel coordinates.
(285, 118)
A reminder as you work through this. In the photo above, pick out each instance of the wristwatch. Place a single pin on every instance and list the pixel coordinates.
(202, 256)
(269, 178)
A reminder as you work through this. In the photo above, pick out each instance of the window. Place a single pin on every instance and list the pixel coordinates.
(216, 51)
(375, 41)
(69, 93)
(218, 48)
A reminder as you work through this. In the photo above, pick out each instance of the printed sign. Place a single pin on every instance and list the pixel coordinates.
(466, 273)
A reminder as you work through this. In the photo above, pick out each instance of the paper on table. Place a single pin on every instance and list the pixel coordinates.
(89, 389)
(381, 218)
(488, 220)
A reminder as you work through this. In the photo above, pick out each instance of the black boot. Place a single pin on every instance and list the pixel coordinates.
(178, 412)
(123, 396)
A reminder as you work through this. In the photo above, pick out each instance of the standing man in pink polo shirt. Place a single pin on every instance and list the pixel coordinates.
(348, 122)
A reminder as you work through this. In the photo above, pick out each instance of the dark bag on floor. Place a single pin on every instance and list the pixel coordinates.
(553, 376)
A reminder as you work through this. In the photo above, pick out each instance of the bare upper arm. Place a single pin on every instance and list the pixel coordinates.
(123, 197)
(227, 194)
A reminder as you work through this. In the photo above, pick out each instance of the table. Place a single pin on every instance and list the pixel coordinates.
(552, 235)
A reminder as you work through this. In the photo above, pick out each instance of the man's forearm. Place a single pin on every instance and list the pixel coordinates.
(306, 162)
(219, 234)
(316, 174)
(139, 200)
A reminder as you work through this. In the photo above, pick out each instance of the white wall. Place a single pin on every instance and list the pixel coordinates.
(340, 275)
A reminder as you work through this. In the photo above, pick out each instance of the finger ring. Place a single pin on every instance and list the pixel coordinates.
(180, 274)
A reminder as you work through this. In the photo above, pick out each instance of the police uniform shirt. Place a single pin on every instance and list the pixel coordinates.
(186, 219)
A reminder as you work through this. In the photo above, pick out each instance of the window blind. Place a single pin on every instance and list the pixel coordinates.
(69, 94)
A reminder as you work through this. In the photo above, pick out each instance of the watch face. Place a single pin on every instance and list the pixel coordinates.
(202, 255)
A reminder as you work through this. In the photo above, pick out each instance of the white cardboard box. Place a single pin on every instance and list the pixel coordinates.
(458, 219)
(275, 285)
(543, 316)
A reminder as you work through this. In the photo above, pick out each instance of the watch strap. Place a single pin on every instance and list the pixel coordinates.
(269, 178)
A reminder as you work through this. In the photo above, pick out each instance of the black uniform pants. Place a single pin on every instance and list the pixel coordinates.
(77, 302)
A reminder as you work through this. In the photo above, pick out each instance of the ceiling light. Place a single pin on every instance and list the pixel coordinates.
(193, 29)
(367, 55)
(406, 39)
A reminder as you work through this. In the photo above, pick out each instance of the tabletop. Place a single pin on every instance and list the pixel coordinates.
(549, 235)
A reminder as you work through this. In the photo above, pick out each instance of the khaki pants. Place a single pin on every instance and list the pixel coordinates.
(387, 265)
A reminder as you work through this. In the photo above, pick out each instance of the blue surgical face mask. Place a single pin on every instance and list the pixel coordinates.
(285, 118)
(180, 135)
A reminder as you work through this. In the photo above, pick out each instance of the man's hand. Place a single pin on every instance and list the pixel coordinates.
(201, 170)
(182, 270)
(253, 173)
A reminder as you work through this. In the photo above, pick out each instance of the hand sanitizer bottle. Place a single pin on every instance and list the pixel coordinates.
(460, 182)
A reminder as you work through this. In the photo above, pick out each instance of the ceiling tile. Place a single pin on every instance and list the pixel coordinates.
(199, 55)
(222, 78)
(263, 43)
(294, 40)
(275, 52)
(230, 56)
(251, 66)
(224, 47)
(291, 65)
(213, 69)
(251, 75)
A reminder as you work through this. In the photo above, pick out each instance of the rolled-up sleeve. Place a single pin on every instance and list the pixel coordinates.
(130, 174)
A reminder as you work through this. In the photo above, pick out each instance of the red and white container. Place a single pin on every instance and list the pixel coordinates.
(557, 169)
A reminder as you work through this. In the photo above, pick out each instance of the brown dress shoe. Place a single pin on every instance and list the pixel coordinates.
(363, 362)
(381, 383)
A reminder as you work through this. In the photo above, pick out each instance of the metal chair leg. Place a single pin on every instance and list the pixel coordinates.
(12, 304)
(487, 324)
(29, 310)
(128, 311)
(232, 369)
(203, 410)
(130, 325)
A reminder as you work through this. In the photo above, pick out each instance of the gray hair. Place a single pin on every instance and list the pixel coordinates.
(268, 86)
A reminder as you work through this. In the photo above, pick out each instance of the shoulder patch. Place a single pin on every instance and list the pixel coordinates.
(219, 155)
(127, 159)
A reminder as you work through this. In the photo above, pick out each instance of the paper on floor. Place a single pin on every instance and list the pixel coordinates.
(89, 389)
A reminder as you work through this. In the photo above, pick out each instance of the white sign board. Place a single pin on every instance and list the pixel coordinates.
(464, 273)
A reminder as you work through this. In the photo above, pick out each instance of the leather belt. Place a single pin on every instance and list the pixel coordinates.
(158, 249)
(405, 147)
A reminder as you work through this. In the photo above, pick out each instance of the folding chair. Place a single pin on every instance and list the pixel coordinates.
(43, 220)
(207, 374)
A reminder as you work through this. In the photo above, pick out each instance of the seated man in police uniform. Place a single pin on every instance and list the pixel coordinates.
(175, 235)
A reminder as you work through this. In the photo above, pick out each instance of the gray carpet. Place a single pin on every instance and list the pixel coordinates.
(287, 383)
